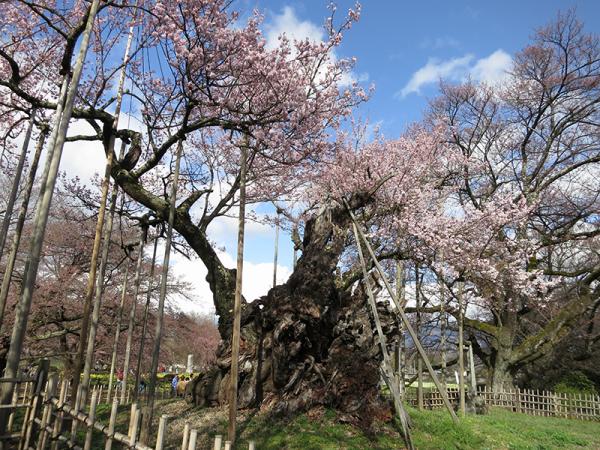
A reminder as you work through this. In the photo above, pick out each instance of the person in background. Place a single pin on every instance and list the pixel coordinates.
(174, 382)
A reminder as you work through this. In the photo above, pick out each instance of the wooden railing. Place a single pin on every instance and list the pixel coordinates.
(50, 422)
(526, 401)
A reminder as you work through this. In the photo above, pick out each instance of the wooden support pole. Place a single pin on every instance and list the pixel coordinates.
(113, 359)
(92, 416)
(149, 409)
(418, 331)
(387, 364)
(443, 326)
(276, 252)
(403, 316)
(237, 308)
(57, 427)
(461, 353)
(138, 369)
(136, 291)
(111, 423)
(472, 369)
(47, 414)
(12, 197)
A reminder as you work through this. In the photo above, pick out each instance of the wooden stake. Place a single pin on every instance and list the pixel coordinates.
(193, 439)
(111, 423)
(403, 316)
(160, 436)
(218, 442)
(461, 353)
(161, 300)
(237, 308)
(186, 436)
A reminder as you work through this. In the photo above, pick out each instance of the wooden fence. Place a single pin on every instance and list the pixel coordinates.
(526, 401)
(50, 422)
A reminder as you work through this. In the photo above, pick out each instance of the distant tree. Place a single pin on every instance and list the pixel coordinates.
(533, 139)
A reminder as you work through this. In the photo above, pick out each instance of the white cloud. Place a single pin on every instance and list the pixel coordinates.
(289, 24)
(434, 70)
(257, 280)
(491, 69)
(82, 159)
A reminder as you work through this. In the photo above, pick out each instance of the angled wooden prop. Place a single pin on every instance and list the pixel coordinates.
(403, 316)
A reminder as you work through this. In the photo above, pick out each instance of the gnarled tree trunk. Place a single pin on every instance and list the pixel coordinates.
(305, 343)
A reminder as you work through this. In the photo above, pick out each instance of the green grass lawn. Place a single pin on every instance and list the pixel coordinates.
(434, 430)
(499, 430)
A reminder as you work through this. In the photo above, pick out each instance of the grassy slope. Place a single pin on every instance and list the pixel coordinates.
(432, 430)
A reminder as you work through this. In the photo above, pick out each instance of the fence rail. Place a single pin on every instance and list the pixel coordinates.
(49, 422)
(526, 401)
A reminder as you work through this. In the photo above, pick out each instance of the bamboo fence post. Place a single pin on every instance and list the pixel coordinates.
(11, 416)
(92, 415)
(235, 341)
(111, 423)
(29, 424)
(218, 442)
(186, 436)
(47, 414)
(135, 426)
(132, 410)
(160, 436)
(76, 407)
(136, 290)
(147, 418)
(64, 386)
(403, 316)
(193, 439)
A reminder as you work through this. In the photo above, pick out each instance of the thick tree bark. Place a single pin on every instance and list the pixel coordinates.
(306, 343)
